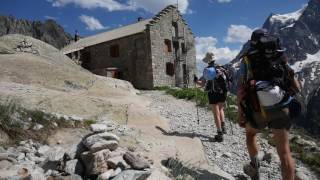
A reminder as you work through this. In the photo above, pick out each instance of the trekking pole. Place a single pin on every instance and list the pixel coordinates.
(196, 89)
(229, 116)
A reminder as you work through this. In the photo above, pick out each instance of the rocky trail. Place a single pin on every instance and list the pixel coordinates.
(230, 155)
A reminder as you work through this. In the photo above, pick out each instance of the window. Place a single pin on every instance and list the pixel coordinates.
(168, 47)
(183, 46)
(114, 51)
(170, 68)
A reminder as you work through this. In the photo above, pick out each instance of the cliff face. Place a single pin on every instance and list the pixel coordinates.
(300, 35)
(48, 31)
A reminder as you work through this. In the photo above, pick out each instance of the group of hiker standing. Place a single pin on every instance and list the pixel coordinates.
(265, 97)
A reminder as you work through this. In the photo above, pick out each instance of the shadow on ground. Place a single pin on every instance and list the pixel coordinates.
(190, 135)
(179, 169)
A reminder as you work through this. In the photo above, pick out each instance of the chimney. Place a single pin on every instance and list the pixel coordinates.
(140, 19)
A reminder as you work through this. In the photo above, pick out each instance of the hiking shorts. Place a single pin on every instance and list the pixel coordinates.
(275, 119)
(215, 98)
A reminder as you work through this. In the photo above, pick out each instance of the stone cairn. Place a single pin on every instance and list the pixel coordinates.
(25, 46)
(97, 156)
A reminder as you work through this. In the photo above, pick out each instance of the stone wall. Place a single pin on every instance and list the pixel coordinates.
(133, 62)
(162, 28)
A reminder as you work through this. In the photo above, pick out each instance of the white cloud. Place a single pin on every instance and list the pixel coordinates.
(152, 6)
(220, 1)
(208, 44)
(110, 5)
(51, 17)
(92, 23)
(155, 6)
(238, 33)
(224, 1)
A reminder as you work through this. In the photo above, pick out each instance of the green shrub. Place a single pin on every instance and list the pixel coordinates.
(200, 97)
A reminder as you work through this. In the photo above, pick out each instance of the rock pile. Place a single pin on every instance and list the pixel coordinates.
(97, 156)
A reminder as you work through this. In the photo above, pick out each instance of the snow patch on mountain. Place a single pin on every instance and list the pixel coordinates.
(299, 65)
(289, 18)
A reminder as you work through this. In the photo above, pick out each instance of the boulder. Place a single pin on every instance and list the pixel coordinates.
(132, 175)
(95, 163)
(135, 162)
(4, 138)
(74, 167)
(42, 150)
(106, 175)
(91, 140)
(98, 128)
(103, 144)
(55, 154)
(117, 161)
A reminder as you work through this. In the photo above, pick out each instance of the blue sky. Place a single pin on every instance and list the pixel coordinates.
(220, 26)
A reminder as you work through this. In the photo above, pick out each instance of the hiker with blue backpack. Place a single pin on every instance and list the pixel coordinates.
(265, 95)
(216, 80)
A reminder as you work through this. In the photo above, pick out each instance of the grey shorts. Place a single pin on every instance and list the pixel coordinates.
(275, 119)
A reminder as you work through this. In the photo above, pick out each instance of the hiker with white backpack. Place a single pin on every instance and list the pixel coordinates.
(265, 95)
(216, 80)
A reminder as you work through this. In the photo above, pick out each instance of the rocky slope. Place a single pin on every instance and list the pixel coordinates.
(48, 31)
(44, 82)
(300, 35)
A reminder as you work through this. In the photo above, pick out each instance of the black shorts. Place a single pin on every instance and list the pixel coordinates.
(274, 119)
(215, 98)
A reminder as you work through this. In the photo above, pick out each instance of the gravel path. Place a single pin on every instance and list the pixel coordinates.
(231, 154)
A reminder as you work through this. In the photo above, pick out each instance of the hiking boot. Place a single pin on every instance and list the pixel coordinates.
(224, 129)
(252, 172)
(218, 137)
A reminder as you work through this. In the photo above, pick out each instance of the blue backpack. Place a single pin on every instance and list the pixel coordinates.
(209, 73)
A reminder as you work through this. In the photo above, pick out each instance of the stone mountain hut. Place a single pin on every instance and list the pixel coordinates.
(149, 53)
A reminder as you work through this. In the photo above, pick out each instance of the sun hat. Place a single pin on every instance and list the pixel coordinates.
(208, 58)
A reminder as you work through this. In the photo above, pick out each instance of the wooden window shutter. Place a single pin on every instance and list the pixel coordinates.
(170, 68)
(168, 47)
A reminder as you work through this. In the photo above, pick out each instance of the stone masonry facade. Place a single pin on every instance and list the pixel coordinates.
(144, 58)
(170, 25)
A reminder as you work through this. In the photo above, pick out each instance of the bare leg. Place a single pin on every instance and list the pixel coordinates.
(221, 106)
(216, 114)
(251, 139)
(281, 138)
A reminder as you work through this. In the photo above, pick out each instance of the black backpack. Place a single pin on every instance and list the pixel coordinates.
(269, 63)
(220, 83)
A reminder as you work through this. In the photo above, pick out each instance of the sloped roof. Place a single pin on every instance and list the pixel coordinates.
(119, 32)
(106, 36)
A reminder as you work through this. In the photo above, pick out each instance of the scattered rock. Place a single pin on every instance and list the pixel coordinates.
(117, 161)
(98, 128)
(227, 155)
(55, 154)
(4, 164)
(249, 170)
(74, 167)
(106, 175)
(43, 150)
(37, 127)
(132, 174)
(135, 162)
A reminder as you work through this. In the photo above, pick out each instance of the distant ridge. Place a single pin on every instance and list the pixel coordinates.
(48, 31)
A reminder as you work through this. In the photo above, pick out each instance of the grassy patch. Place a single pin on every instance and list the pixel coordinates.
(19, 123)
(312, 159)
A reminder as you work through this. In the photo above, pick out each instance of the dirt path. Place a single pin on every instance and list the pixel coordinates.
(229, 155)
